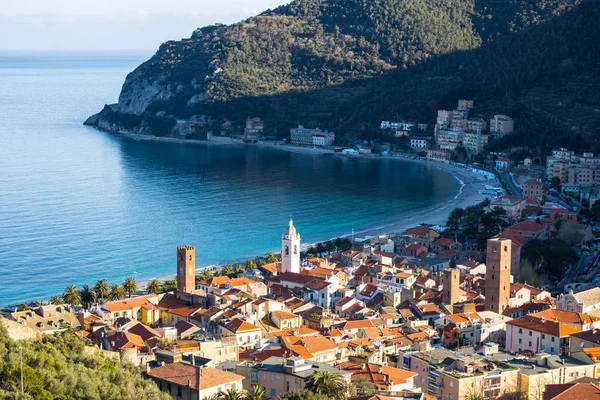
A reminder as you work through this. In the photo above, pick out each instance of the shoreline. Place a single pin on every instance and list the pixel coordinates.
(435, 214)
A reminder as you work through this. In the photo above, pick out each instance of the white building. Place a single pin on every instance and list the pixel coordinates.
(419, 144)
(290, 250)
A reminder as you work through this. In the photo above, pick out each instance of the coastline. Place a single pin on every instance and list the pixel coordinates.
(435, 214)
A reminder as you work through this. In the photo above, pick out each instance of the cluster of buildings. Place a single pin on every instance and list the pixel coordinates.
(391, 311)
(579, 174)
(455, 128)
(302, 136)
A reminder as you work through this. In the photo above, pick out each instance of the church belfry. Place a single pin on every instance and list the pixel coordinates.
(290, 250)
(186, 269)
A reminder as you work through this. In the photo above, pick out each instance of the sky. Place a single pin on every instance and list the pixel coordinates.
(113, 25)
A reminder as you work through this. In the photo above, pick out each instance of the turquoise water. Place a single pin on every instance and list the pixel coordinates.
(77, 204)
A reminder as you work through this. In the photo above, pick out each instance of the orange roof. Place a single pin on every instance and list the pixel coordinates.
(545, 326)
(301, 351)
(185, 311)
(318, 344)
(238, 325)
(240, 281)
(198, 378)
(128, 304)
(566, 316)
(284, 315)
(361, 323)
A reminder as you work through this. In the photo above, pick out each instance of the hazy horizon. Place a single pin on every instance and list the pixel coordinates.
(112, 26)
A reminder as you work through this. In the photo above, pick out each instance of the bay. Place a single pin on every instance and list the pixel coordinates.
(77, 204)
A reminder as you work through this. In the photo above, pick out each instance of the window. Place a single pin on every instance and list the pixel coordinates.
(552, 339)
(179, 388)
(520, 341)
(273, 392)
(543, 336)
(530, 343)
(287, 386)
(520, 330)
(530, 333)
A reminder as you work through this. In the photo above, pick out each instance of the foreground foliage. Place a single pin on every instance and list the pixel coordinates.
(64, 367)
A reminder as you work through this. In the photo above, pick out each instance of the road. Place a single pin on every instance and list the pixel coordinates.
(577, 268)
(510, 183)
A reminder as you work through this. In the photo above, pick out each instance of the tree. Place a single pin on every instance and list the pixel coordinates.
(362, 387)
(328, 384)
(56, 300)
(169, 285)
(153, 286)
(329, 246)
(231, 394)
(71, 295)
(303, 395)
(24, 307)
(88, 296)
(555, 183)
(250, 264)
(40, 303)
(102, 289)
(238, 269)
(596, 210)
(271, 258)
(256, 393)
(205, 275)
(228, 270)
(116, 292)
(320, 248)
(130, 286)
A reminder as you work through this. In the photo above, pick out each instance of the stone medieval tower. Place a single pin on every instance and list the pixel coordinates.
(186, 269)
(290, 250)
(497, 275)
(451, 283)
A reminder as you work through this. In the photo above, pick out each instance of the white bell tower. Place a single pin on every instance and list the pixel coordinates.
(290, 250)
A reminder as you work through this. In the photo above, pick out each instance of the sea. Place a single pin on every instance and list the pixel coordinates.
(78, 204)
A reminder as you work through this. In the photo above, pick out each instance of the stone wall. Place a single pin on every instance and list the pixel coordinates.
(17, 331)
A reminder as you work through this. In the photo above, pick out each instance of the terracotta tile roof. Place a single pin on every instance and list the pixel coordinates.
(418, 231)
(143, 331)
(565, 316)
(358, 324)
(171, 301)
(302, 331)
(128, 304)
(239, 325)
(199, 378)
(362, 270)
(513, 236)
(385, 254)
(381, 375)
(301, 351)
(218, 280)
(429, 308)
(318, 344)
(126, 340)
(240, 281)
(402, 275)
(284, 315)
(344, 301)
(273, 268)
(545, 326)
(296, 278)
(185, 311)
(576, 391)
(527, 226)
(443, 242)
(317, 284)
(368, 290)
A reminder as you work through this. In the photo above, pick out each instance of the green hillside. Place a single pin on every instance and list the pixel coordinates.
(347, 64)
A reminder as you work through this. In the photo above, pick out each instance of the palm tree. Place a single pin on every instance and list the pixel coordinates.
(250, 264)
(271, 258)
(205, 275)
(329, 246)
(130, 286)
(231, 394)
(102, 289)
(256, 393)
(169, 285)
(320, 249)
(56, 300)
(338, 244)
(228, 270)
(238, 269)
(40, 303)
(327, 383)
(88, 296)
(153, 286)
(116, 292)
(24, 307)
(71, 295)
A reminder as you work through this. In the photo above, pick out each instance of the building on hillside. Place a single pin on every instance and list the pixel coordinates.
(47, 319)
(533, 189)
(513, 206)
(419, 143)
(503, 163)
(449, 139)
(476, 141)
(501, 125)
(465, 104)
(538, 335)
(190, 382)
(253, 129)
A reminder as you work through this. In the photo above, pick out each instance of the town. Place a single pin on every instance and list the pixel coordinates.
(412, 315)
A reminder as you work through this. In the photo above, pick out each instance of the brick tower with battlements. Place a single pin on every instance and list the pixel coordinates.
(497, 275)
(186, 269)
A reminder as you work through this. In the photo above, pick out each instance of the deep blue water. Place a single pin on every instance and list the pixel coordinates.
(77, 204)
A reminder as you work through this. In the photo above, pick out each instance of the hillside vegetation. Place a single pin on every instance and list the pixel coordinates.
(63, 367)
(347, 64)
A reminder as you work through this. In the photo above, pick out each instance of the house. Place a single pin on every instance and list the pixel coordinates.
(286, 320)
(190, 382)
(529, 230)
(278, 375)
(533, 189)
(415, 250)
(572, 391)
(246, 334)
(383, 377)
(538, 334)
(503, 163)
(513, 206)
(428, 311)
(253, 129)
(419, 143)
(47, 319)
(141, 308)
